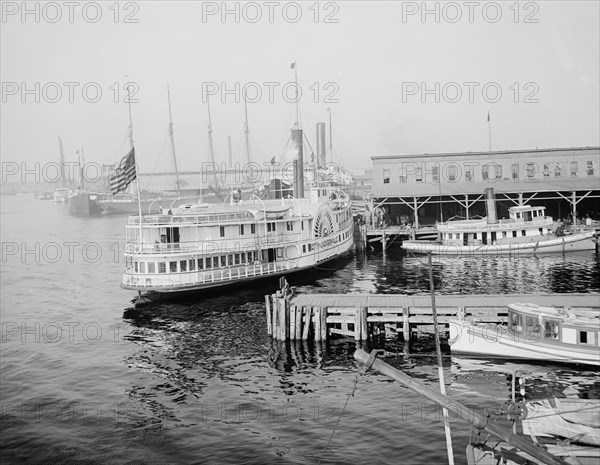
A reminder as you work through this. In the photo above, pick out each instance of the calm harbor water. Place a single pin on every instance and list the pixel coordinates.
(199, 381)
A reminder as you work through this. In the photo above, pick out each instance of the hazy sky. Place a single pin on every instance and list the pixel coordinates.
(369, 61)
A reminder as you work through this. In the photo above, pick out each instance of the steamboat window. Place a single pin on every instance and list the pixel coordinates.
(173, 267)
(265, 255)
(162, 267)
(151, 267)
(541, 230)
(241, 229)
(523, 232)
(302, 223)
(230, 259)
(503, 234)
(279, 252)
(142, 267)
(183, 265)
(583, 337)
(135, 266)
(215, 262)
(289, 225)
(201, 264)
(253, 228)
(222, 231)
(270, 227)
(192, 265)
(223, 260)
(303, 248)
(237, 258)
(514, 233)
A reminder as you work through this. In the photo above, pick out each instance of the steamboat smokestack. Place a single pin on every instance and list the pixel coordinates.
(298, 164)
(321, 148)
(490, 205)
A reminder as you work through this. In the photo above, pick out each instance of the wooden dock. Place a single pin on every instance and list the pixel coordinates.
(300, 317)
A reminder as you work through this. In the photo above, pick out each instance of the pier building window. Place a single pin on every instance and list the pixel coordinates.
(514, 168)
(419, 174)
(241, 229)
(222, 231)
(435, 172)
(574, 168)
(590, 168)
(557, 170)
(531, 168)
(183, 265)
(546, 170)
(452, 173)
(173, 267)
(485, 172)
(192, 266)
(151, 267)
(469, 173)
(253, 228)
(386, 176)
(162, 267)
(402, 179)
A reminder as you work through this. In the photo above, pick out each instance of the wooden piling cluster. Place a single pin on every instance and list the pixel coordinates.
(317, 316)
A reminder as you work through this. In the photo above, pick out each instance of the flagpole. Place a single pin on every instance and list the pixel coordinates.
(137, 179)
(489, 132)
(330, 136)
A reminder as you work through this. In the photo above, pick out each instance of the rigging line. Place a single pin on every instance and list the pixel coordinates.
(358, 374)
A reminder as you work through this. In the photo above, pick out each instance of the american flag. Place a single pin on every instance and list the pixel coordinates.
(124, 173)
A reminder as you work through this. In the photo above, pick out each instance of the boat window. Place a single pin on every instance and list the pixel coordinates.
(518, 215)
(303, 248)
(183, 265)
(151, 267)
(173, 267)
(302, 223)
(253, 228)
(162, 267)
(551, 329)
(237, 258)
(514, 233)
(215, 262)
(201, 264)
(192, 265)
(583, 337)
(241, 229)
(541, 230)
(289, 225)
(475, 236)
(223, 260)
(503, 233)
(142, 267)
(532, 328)
(222, 231)
(135, 266)
(230, 259)
(523, 232)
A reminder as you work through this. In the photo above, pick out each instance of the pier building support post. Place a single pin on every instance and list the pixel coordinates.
(416, 211)
(574, 207)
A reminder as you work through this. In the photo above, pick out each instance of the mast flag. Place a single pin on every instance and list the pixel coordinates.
(124, 174)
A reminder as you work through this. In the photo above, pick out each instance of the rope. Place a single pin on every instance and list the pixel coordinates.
(358, 375)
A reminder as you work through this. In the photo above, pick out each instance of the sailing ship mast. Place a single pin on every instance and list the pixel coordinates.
(173, 143)
(81, 168)
(137, 179)
(246, 130)
(210, 143)
(63, 177)
(297, 140)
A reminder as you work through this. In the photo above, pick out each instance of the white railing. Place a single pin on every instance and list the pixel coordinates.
(215, 246)
(217, 218)
(165, 280)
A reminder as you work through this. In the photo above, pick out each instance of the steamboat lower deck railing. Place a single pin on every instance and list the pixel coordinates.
(193, 278)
